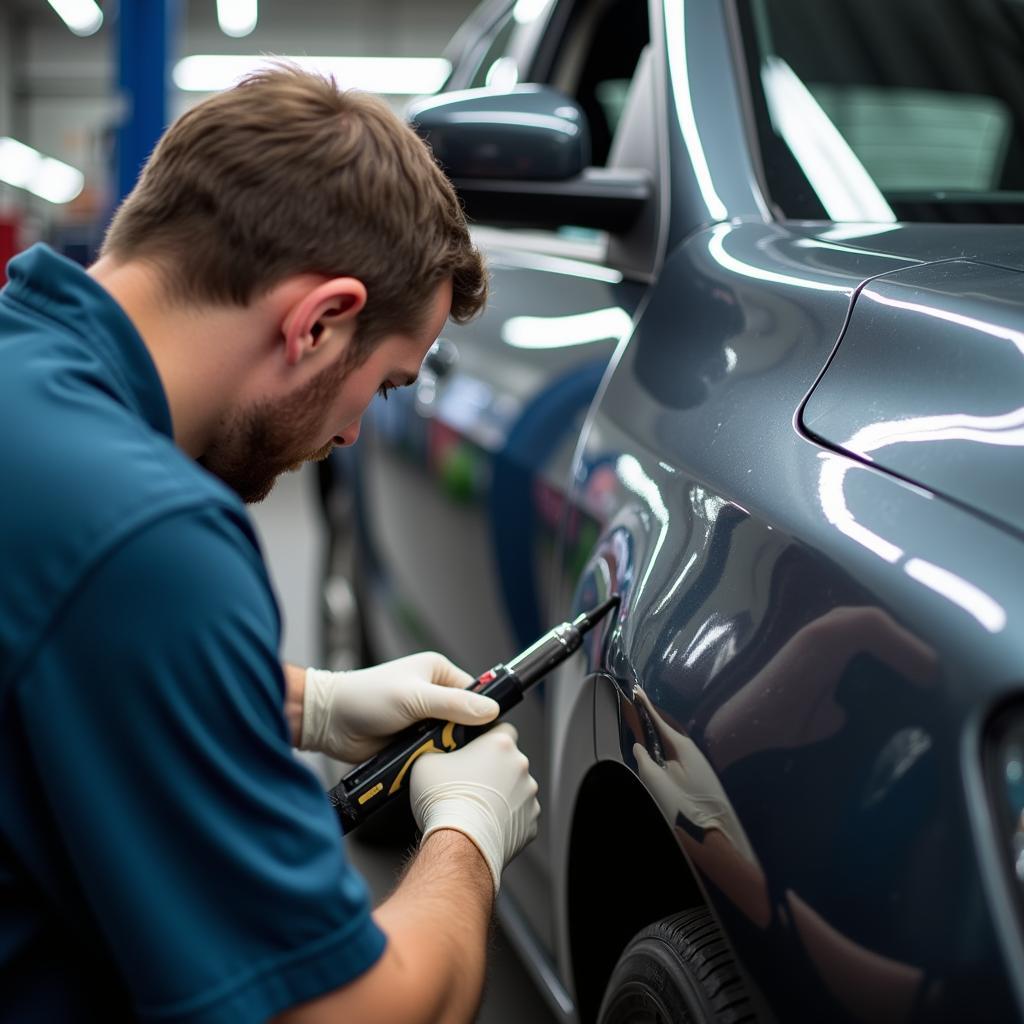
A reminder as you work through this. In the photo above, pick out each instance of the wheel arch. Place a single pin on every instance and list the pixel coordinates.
(622, 848)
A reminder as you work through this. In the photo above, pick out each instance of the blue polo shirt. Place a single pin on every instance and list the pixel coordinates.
(163, 855)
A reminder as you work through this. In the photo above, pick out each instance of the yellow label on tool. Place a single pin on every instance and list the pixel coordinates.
(371, 793)
(430, 746)
(448, 736)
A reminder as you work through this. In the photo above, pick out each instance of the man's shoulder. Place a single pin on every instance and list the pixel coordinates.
(81, 503)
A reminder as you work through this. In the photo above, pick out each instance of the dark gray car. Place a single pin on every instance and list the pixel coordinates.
(754, 360)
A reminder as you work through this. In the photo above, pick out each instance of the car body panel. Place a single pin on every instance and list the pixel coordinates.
(730, 585)
(814, 624)
(928, 383)
(714, 176)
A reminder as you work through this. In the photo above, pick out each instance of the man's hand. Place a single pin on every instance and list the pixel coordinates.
(485, 791)
(352, 715)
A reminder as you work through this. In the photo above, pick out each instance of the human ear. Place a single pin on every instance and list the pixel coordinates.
(331, 303)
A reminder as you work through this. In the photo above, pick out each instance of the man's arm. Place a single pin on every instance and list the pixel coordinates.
(433, 967)
(294, 692)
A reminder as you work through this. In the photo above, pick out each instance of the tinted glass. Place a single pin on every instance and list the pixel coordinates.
(885, 110)
(496, 68)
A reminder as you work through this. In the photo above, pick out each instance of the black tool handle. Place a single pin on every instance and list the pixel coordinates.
(370, 785)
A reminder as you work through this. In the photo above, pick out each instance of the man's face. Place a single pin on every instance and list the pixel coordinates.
(257, 444)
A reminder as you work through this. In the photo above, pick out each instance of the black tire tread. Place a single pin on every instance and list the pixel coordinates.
(695, 936)
(694, 940)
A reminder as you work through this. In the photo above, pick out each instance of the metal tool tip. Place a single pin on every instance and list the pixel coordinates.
(590, 619)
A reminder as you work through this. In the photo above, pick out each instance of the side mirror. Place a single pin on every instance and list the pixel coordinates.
(521, 158)
(530, 132)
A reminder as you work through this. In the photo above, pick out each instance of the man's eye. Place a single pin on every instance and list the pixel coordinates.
(384, 389)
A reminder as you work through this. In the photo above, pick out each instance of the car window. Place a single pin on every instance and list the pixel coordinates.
(884, 110)
(596, 61)
(496, 68)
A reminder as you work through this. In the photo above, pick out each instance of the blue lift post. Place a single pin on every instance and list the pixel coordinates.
(146, 34)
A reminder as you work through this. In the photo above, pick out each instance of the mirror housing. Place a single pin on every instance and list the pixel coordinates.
(521, 159)
(528, 132)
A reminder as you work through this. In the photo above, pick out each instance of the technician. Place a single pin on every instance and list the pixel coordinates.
(289, 251)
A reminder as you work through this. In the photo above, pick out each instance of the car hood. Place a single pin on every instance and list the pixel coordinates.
(996, 244)
(928, 383)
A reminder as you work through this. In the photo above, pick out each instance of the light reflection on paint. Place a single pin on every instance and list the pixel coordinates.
(833, 503)
(944, 582)
(1016, 338)
(956, 589)
(663, 603)
(1006, 430)
(633, 477)
(515, 117)
(839, 179)
(563, 331)
(716, 249)
(850, 232)
(538, 261)
(814, 243)
(675, 27)
(707, 635)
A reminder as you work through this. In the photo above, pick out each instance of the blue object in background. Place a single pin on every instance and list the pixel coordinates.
(145, 33)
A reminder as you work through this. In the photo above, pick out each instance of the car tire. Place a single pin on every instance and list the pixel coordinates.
(679, 970)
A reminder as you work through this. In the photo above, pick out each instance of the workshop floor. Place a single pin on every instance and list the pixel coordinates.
(294, 542)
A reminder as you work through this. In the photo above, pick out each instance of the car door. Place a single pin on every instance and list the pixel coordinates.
(462, 481)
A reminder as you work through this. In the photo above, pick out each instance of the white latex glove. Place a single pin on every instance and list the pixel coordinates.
(687, 784)
(352, 715)
(485, 791)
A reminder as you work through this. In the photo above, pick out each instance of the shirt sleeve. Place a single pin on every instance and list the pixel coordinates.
(206, 852)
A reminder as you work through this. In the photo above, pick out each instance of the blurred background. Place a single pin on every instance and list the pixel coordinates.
(86, 87)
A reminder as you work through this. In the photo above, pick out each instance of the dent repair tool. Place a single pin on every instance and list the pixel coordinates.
(371, 785)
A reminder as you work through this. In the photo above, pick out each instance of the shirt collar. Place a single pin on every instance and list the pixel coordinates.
(62, 291)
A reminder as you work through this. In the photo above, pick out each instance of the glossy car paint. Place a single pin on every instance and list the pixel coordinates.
(540, 135)
(928, 384)
(820, 629)
(831, 633)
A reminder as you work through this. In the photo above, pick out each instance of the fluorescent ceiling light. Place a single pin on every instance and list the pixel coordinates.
(237, 18)
(394, 76)
(24, 167)
(83, 17)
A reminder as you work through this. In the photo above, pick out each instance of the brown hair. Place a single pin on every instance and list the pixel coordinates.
(284, 174)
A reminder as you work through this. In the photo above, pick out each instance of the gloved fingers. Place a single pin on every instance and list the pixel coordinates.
(531, 832)
(450, 705)
(439, 670)
(508, 729)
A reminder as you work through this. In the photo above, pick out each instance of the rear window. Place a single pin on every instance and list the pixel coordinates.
(884, 110)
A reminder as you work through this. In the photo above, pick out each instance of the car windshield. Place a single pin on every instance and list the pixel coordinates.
(885, 110)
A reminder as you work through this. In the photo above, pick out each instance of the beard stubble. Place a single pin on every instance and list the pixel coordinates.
(255, 446)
